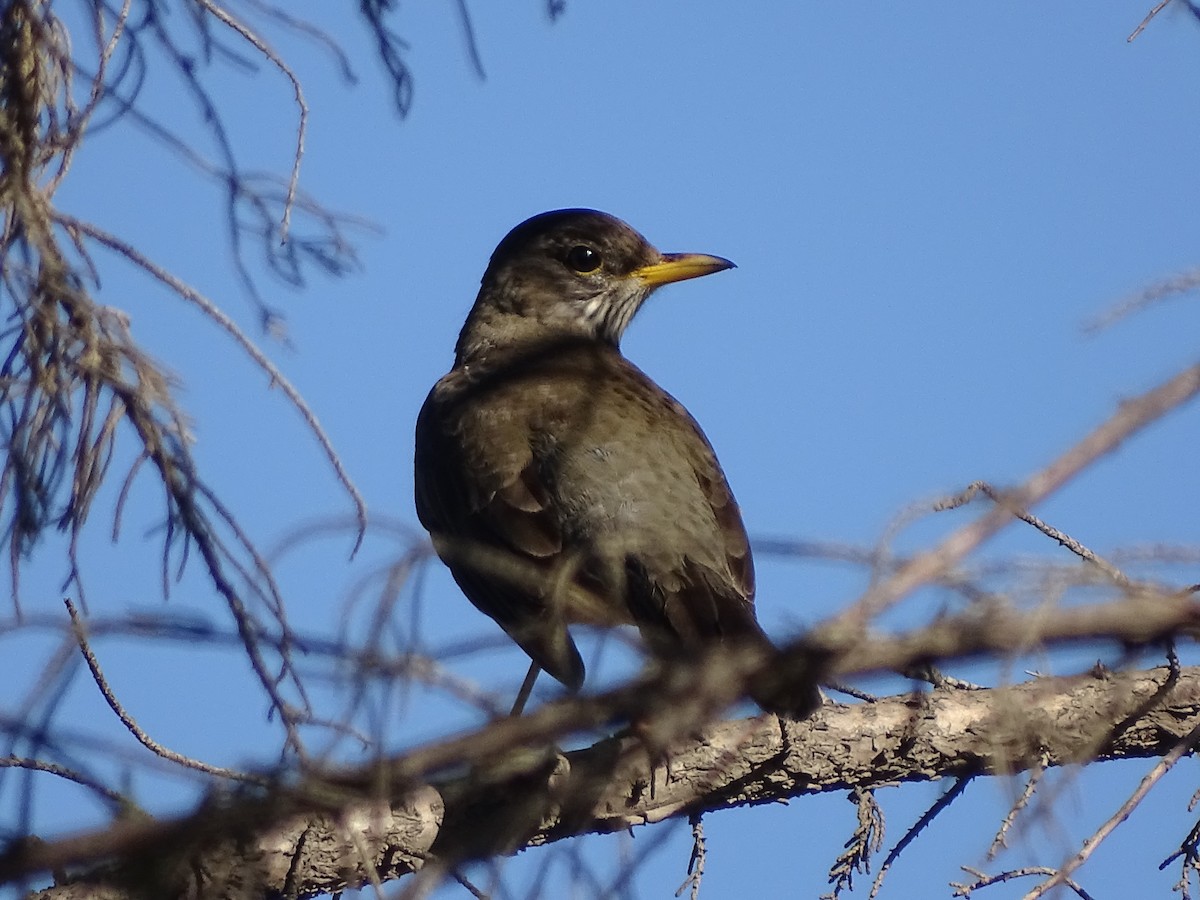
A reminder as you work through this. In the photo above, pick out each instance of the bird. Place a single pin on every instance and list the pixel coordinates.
(560, 484)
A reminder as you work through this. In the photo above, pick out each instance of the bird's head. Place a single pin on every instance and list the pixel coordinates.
(570, 273)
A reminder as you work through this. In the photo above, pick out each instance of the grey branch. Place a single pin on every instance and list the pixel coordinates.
(613, 785)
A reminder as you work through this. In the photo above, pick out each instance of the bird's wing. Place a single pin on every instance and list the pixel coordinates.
(729, 524)
(478, 495)
(703, 590)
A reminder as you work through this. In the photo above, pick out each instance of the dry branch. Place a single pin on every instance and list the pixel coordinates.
(613, 784)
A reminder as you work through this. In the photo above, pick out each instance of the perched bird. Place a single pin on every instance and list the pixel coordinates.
(559, 483)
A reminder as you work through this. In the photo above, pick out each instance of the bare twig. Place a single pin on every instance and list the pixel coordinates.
(117, 801)
(1189, 854)
(997, 497)
(1000, 841)
(1147, 297)
(983, 880)
(248, 35)
(1164, 765)
(1146, 21)
(1131, 417)
(920, 825)
(695, 867)
(213, 312)
(128, 721)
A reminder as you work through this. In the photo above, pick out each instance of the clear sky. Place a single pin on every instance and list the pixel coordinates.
(925, 204)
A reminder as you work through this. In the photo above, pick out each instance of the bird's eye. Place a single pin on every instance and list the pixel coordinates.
(583, 259)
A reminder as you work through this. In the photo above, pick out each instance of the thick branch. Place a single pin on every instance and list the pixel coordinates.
(612, 785)
(215, 854)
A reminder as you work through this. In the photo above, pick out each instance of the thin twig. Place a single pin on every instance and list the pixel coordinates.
(217, 315)
(1146, 21)
(999, 842)
(261, 46)
(1131, 417)
(1000, 499)
(695, 867)
(983, 880)
(464, 16)
(115, 799)
(1164, 765)
(127, 720)
(930, 814)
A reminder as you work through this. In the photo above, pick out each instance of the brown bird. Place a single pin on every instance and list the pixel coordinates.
(559, 483)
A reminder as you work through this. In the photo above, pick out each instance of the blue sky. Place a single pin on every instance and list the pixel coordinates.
(925, 205)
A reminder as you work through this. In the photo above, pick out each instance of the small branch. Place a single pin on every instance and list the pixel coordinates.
(468, 27)
(1065, 540)
(1145, 298)
(217, 315)
(114, 799)
(943, 802)
(695, 868)
(1146, 21)
(1180, 750)
(999, 842)
(1132, 416)
(131, 725)
(862, 845)
(1139, 619)
(243, 30)
(1189, 853)
(983, 880)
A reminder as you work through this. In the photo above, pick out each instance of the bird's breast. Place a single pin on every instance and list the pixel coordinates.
(620, 461)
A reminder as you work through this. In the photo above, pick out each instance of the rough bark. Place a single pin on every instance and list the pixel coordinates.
(215, 854)
(539, 797)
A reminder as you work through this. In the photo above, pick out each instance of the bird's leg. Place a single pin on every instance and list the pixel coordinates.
(525, 691)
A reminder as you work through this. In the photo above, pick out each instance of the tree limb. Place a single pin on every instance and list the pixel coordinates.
(616, 784)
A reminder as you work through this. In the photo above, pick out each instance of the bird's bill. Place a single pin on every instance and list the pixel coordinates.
(680, 267)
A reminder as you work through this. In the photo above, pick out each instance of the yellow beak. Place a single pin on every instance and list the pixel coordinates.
(680, 267)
